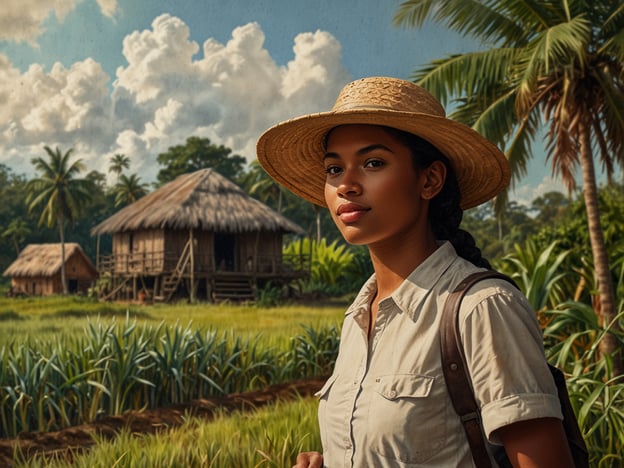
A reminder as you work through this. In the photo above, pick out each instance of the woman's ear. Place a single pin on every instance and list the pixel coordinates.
(434, 175)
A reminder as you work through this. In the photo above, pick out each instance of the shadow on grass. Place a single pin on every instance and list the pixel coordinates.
(7, 315)
(101, 311)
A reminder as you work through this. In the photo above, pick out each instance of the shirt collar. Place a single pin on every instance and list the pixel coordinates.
(411, 292)
(363, 299)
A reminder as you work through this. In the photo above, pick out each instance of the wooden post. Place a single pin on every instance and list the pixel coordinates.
(97, 253)
(192, 252)
(255, 255)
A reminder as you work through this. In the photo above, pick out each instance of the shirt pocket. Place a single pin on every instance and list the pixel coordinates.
(407, 417)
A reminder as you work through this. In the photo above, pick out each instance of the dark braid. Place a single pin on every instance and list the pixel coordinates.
(444, 214)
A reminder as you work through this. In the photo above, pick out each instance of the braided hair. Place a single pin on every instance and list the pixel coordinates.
(444, 214)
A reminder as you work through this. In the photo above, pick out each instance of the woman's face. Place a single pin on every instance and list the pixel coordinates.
(374, 193)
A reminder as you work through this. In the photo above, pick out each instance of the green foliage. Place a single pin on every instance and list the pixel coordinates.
(572, 334)
(537, 273)
(261, 186)
(14, 209)
(129, 189)
(199, 153)
(271, 295)
(495, 235)
(570, 232)
(313, 353)
(329, 262)
(115, 367)
(58, 189)
(334, 266)
(118, 163)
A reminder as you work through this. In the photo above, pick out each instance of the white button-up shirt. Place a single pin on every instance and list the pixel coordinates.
(386, 403)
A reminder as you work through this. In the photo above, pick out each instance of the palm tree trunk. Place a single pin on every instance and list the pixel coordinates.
(606, 305)
(62, 236)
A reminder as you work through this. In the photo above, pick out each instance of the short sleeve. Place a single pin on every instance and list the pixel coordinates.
(505, 357)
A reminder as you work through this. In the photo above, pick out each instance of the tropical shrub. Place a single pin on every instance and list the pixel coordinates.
(331, 266)
(539, 273)
(572, 335)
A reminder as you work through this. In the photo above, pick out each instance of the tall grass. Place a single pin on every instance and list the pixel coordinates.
(116, 367)
(269, 437)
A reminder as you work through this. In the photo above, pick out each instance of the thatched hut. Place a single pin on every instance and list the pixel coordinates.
(198, 236)
(37, 270)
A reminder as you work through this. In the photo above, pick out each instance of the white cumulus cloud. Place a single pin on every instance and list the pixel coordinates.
(526, 194)
(23, 20)
(169, 89)
(108, 7)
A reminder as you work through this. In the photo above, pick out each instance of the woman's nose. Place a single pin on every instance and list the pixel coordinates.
(349, 183)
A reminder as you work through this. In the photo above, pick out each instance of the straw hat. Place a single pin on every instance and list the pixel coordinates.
(292, 151)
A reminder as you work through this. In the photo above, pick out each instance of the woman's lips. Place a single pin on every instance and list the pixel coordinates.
(351, 212)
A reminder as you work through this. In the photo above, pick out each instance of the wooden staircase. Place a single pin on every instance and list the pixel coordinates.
(170, 283)
(233, 288)
(111, 294)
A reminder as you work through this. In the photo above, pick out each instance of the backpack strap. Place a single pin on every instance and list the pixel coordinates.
(454, 367)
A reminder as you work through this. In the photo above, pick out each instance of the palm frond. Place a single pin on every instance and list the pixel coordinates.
(611, 115)
(555, 48)
(518, 151)
(475, 73)
(611, 33)
(614, 46)
(467, 17)
(495, 121)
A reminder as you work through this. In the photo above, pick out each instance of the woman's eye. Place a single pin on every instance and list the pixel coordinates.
(374, 163)
(332, 170)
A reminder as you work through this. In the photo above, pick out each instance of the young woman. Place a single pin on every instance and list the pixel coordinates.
(395, 174)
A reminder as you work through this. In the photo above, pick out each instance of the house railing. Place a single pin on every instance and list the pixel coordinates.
(156, 263)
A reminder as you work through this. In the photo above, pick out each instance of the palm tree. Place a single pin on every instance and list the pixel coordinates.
(61, 194)
(260, 185)
(118, 163)
(18, 230)
(554, 61)
(129, 189)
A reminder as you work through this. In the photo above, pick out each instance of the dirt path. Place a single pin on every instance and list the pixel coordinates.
(79, 438)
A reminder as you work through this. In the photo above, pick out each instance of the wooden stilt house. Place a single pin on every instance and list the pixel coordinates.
(37, 270)
(199, 236)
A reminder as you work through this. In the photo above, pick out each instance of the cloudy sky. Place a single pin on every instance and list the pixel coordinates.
(138, 76)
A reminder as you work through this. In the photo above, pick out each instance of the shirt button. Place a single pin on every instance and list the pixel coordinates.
(392, 394)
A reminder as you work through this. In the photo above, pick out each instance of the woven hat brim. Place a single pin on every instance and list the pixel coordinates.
(292, 151)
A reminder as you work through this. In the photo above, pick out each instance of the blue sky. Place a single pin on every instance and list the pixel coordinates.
(138, 76)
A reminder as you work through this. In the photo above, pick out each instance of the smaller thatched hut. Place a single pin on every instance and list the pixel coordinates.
(37, 270)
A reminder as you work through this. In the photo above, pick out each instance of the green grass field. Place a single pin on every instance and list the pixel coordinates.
(271, 436)
(42, 319)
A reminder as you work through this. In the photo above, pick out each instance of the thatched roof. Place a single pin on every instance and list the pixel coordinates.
(45, 260)
(203, 200)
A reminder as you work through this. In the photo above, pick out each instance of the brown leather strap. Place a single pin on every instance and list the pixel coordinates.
(454, 367)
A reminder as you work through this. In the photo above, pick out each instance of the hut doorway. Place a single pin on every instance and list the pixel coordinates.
(224, 248)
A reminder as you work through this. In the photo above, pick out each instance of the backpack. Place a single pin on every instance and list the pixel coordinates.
(457, 383)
